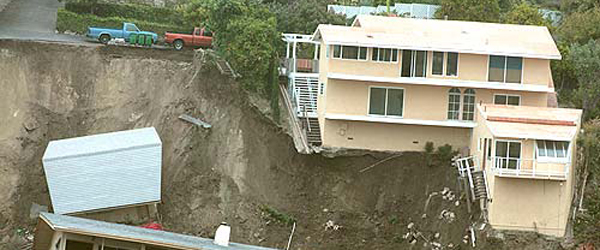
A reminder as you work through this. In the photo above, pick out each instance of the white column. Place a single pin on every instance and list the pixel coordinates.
(316, 51)
(287, 51)
(294, 57)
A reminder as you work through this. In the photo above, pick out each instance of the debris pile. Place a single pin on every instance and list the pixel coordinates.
(330, 225)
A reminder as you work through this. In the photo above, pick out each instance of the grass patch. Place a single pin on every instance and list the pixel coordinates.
(278, 216)
(129, 11)
(78, 23)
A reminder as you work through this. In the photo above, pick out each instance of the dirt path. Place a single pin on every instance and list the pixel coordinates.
(244, 170)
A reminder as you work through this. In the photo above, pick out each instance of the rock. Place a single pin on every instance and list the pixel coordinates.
(31, 124)
(413, 241)
(325, 210)
(457, 203)
(445, 191)
(410, 225)
(423, 216)
(256, 235)
(436, 235)
(450, 245)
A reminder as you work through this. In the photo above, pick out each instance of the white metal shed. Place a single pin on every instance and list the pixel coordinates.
(103, 171)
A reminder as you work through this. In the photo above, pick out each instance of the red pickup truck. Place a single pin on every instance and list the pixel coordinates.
(201, 37)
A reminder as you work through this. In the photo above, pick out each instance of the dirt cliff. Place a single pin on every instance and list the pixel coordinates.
(244, 170)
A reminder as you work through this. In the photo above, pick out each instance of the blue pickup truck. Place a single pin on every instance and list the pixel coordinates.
(104, 34)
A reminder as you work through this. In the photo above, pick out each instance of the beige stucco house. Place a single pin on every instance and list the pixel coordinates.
(389, 83)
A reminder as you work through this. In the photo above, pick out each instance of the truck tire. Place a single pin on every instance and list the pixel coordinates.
(178, 44)
(104, 38)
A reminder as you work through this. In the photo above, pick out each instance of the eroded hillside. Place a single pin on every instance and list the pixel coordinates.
(244, 170)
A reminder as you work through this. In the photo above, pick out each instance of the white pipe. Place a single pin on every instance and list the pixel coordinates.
(291, 235)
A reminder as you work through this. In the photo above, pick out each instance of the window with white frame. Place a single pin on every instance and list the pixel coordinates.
(386, 101)
(414, 63)
(444, 64)
(384, 55)
(505, 69)
(454, 104)
(349, 52)
(508, 154)
(468, 105)
(502, 99)
(552, 150)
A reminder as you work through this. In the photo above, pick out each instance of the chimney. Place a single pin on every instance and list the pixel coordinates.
(222, 234)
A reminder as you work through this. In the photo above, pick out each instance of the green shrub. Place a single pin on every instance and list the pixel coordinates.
(278, 216)
(129, 11)
(429, 148)
(78, 23)
(445, 153)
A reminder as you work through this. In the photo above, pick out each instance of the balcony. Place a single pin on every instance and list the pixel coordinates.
(297, 65)
(530, 168)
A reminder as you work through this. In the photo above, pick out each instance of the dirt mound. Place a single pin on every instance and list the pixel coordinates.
(244, 170)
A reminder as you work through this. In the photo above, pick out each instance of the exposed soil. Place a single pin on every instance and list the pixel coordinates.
(244, 170)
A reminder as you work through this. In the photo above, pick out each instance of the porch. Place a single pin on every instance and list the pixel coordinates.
(527, 142)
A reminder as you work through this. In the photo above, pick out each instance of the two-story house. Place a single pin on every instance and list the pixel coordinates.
(394, 84)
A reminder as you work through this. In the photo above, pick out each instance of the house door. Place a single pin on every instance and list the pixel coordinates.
(508, 154)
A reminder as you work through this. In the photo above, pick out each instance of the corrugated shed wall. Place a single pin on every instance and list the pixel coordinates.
(105, 179)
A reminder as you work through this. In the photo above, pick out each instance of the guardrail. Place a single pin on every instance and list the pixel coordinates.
(301, 65)
(530, 168)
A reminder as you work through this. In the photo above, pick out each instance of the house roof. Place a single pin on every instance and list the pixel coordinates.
(525, 122)
(443, 35)
(70, 224)
(101, 143)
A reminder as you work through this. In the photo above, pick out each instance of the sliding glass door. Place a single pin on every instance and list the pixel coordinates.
(508, 154)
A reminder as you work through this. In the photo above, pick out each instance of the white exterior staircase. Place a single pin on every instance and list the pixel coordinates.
(477, 179)
(304, 92)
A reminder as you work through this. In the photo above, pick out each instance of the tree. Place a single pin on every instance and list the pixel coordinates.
(579, 27)
(245, 34)
(526, 14)
(586, 62)
(303, 16)
(586, 224)
(470, 10)
(570, 6)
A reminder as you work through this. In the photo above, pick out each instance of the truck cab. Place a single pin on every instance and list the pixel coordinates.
(200, 37)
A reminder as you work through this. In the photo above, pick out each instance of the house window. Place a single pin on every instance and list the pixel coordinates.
(349, 52)
(437, 67)
(502, 99)
(386, 101)
(452, 64)
(505, 69)
(444, 60)
(453, 104)
(414, 63)
(552, 150)
(469, 105)
(508, 154)
(489, 148)
(385, 55)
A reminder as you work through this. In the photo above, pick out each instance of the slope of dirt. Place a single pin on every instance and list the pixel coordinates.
(244, 170)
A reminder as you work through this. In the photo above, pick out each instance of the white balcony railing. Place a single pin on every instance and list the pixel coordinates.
(530, 168)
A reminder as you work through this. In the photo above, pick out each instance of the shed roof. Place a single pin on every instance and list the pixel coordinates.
(101, 143)
(89, 227)
(443, 35)
(523, 122)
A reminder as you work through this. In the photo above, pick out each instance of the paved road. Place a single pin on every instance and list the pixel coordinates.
(32, 20)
